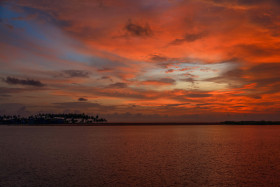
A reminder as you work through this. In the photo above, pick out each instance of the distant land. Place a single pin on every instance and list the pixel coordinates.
(50, 119)
(72, 119)
(251, 122)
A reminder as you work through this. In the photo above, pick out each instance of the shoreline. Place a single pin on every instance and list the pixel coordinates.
(141, 124)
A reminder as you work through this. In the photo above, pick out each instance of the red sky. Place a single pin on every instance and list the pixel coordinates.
(161, 60)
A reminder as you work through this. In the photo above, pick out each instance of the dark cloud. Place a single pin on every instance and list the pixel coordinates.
(44, 16)
(4, 90)
(118, 85)
(265, 20)
(188, 38)
(249, 2)
(166, 62)
(11, 91)
(234, 78)
(158, 58)
(27, 82)
(5, 95)
(199, 95)
(258, 51)
(105, 69)
(194, 37)
(167, 81)
(75, 73)
(244, 2)
(175, 105)
(263, 75)
(77, 104)
(266, 74)
(82, 106)
(203, 104)
(238, 106)
(170, 60)
(106, 78)
(138, 30)
(169, 71)
(82, 99)
(257, 2)
(188, 80)
(266, 69)
(116, 93)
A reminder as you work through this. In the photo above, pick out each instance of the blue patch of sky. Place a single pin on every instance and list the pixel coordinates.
(41, 31)
(46, 17)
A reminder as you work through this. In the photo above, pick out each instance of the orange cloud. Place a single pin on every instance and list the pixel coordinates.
(151, 57)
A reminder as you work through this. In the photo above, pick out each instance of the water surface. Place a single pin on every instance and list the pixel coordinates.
(201, 155)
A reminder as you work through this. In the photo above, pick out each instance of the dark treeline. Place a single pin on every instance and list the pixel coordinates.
(52, 119)
(251, 122)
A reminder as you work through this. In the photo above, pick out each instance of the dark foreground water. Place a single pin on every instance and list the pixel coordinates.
(140, 156)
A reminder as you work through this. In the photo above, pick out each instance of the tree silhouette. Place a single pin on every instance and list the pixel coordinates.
(48, 118)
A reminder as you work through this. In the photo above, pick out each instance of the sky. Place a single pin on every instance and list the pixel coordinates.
(141, 61)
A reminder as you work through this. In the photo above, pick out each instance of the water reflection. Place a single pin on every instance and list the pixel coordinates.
(140, 156)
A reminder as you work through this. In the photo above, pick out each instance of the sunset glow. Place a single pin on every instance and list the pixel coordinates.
(141, 61)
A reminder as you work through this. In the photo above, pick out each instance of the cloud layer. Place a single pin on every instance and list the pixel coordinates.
(27, 82)
(159, 59)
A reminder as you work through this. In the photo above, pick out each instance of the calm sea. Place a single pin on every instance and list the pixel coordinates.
(194, 155)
